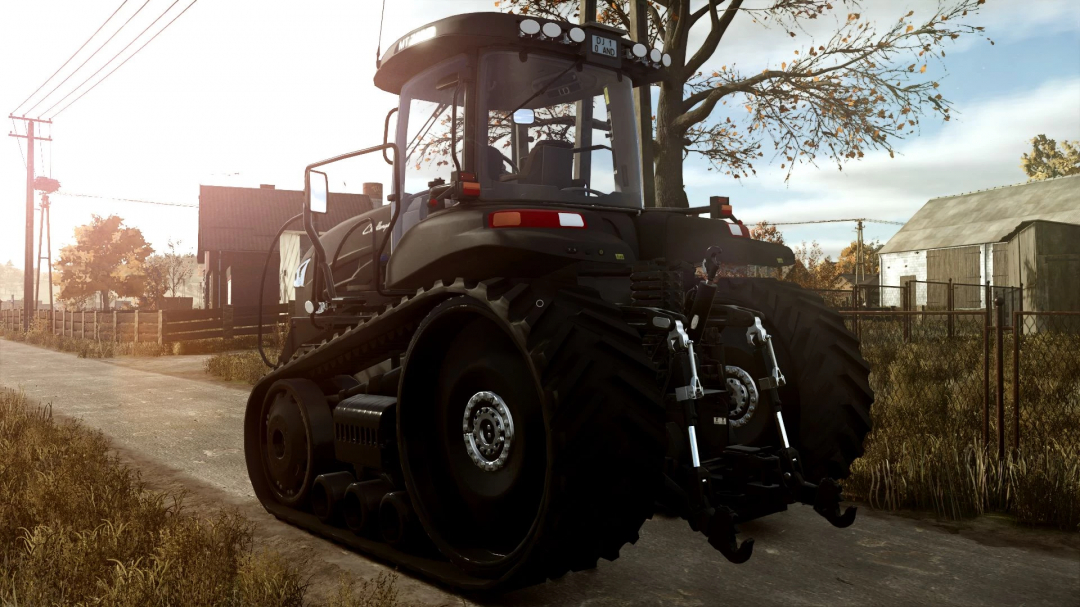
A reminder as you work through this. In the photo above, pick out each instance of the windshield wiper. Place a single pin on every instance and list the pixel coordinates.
(430, 122)
(542, 90)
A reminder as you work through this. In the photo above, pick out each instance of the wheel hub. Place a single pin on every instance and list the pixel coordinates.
(488, 430)
(744, 395)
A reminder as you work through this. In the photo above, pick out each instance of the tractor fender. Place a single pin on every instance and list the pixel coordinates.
(458, 242)
(677, 236)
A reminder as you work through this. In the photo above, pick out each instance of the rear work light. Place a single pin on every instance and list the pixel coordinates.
(535, 218)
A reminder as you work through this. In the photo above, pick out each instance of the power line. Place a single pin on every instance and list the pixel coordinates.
(129, 56)
(92, 55)
(113, 58)
(71, 57)
(166, 204)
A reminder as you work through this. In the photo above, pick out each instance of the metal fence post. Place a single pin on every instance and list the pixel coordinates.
(1000, 360)
(986, 369)
(950, 305)
(1018, 330)
(907, 308)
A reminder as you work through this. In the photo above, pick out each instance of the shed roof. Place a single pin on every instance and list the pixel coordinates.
(987, 215)
(246, 219)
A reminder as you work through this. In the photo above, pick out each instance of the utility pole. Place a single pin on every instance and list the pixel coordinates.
(639, 32)
(583, 126)
(28, 260)
(859, 270)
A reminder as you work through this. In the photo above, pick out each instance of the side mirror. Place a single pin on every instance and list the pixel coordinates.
(318, 189)
(524, 116)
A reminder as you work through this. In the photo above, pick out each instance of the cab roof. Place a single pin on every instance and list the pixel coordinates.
(431, 43)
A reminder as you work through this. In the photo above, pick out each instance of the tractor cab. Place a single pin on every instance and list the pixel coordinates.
(513, 109)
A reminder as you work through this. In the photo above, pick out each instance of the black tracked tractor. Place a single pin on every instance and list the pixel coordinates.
(499, 375)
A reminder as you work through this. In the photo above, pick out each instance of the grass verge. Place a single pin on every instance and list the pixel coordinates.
(89, 348)
(925, 450)
(77, 527)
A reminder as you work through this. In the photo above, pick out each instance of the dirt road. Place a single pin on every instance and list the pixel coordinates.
(187, 432)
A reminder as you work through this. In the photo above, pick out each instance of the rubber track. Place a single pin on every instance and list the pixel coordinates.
(831, 374)
(608, 510)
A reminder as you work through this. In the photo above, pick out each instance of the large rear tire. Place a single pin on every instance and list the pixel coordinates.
(828, 397)
(566, 456)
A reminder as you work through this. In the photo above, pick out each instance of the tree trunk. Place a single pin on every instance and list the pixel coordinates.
(670, 190)
(104, 300)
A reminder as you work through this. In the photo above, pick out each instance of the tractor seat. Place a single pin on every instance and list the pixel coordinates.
(550, 162)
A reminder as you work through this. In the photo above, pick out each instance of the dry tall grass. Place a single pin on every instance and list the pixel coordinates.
(79, 528)
(925, 450)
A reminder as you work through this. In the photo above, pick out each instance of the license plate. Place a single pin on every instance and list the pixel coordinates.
(605, 46)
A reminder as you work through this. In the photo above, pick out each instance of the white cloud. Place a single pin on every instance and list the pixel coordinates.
(980, 149)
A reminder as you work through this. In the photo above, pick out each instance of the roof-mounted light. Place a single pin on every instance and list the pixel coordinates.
(655, 55)
(640, 50)
(529, 27)
(577, 35)
(666, 60)
(552, 30)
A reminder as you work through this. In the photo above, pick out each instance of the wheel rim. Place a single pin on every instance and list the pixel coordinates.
(488, 430)
(744, 395)
(286, 452)
(473, 442)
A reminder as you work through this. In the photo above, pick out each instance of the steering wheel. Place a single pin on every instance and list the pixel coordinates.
(505, 159)
(583, 189)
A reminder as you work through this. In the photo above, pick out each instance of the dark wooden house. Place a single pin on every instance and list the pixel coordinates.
(236, 231)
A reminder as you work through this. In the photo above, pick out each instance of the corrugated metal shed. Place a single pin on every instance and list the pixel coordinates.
(987, 215)
(246, 219)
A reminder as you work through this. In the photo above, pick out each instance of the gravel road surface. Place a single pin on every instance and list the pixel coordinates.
(183, 431)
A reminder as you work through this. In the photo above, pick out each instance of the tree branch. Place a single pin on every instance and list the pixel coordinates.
(716, 33)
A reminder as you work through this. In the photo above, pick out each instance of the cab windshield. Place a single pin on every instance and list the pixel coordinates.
(557, 131)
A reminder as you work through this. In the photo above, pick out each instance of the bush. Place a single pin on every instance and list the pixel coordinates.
(244, 366)
(79, 528)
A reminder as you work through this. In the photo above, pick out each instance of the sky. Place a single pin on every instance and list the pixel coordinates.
(243, 93)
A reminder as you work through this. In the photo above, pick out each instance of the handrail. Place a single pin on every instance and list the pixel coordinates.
(376, 255)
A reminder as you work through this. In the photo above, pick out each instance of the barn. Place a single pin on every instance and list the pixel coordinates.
(236, 230)
(1025, 235)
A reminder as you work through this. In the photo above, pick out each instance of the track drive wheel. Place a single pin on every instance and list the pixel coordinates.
(533, 446)
(296, 441)
(827, 398)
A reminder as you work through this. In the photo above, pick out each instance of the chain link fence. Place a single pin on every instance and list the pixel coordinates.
(970, 372)
(1045, 379)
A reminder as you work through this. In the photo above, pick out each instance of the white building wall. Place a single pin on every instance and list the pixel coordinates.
(903, 263)
(908, 263)
(290, 255)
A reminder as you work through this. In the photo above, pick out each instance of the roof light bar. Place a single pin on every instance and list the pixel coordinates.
(552, 30)
(529, 27)
(577, 35)
(655, 55)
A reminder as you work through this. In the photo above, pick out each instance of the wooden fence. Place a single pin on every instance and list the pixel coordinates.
(162, 326)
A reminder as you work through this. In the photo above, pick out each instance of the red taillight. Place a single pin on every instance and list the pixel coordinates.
(470, 189)
(534, 218)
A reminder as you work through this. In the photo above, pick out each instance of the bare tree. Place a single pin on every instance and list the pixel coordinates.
(861, 89)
